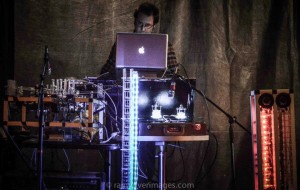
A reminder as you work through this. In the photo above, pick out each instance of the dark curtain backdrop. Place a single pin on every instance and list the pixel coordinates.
(230, 46)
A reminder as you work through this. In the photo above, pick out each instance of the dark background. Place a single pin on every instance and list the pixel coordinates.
(230, 47)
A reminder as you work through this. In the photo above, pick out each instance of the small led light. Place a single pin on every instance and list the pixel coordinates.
(181, 112)
(156, 111)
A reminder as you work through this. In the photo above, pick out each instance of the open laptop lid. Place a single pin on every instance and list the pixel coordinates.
(141, 51)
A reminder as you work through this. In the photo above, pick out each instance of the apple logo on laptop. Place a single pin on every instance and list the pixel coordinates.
(141, 50)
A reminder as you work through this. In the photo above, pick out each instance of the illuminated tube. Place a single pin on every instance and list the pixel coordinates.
(266, 102)
(273, 139)
(133, 127)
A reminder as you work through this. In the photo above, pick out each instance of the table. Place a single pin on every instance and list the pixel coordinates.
(33, 143)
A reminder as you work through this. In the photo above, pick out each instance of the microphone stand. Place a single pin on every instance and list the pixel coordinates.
(231, 120)
(41, 119)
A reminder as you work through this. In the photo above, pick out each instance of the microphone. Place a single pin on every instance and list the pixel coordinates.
(46, 59)
(172, 89)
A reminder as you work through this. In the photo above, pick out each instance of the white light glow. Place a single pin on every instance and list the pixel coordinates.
(164, 100)
(143, 100)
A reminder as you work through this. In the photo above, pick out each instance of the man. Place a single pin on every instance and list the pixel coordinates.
(145, 19)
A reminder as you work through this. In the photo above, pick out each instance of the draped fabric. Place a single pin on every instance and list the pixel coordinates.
(231, 47)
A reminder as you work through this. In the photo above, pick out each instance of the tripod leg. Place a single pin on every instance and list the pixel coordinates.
(161, 165)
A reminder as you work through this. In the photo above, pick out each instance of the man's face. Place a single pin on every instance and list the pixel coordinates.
(144, 23)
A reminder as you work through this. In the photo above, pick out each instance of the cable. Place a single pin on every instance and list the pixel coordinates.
(139, 166)
(100, 154)
(33, 158)
(173, 150)
(143, 175)
(106, 132)
(183, 165)
(116, 111)
(22, 156)
(113, 135)
(56, 156)
(213, 162)
(202, 163)
(201, 93)
(113, 118)
(64, 150)
(184, 70)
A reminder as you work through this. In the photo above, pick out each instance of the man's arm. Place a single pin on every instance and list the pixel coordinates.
(171, 60)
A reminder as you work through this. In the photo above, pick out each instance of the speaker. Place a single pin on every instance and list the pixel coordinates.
(55, 181)
(273, 139)
(75, 181)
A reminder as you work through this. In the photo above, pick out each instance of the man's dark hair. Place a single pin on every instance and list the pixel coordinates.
(148, 9)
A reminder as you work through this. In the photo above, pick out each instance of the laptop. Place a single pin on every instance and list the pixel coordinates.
(141, 51)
